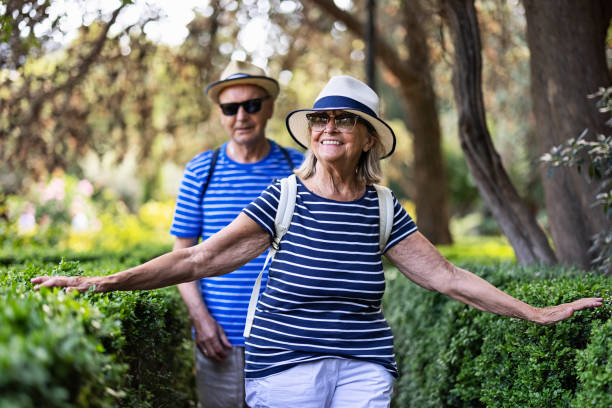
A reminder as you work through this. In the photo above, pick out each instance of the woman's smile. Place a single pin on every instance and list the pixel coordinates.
(331, 142)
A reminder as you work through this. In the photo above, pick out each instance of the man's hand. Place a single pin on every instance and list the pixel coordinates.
(211, 339)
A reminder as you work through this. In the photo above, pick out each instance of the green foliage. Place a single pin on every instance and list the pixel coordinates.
(594, 366)
(70, 214)
(129, 256)
(452, 355)
(596, 156)
(51, 351)
(128, 349)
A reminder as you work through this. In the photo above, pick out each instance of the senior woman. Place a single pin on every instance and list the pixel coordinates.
(319, 338)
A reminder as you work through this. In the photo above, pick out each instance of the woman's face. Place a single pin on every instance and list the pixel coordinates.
(336, 142)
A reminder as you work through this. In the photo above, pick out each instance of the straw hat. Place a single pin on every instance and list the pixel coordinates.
(240, 73)
(348, 94)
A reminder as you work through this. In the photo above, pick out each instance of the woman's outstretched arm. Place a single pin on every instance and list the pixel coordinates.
(421, 262)
(235, 245)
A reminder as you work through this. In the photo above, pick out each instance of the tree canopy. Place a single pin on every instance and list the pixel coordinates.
(112, 93)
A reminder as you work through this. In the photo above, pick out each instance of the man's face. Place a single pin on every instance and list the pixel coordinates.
(246, 128)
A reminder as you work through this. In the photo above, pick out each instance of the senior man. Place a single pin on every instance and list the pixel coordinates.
(216, 186)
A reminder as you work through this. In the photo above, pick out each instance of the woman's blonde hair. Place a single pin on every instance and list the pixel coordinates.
(368, 169)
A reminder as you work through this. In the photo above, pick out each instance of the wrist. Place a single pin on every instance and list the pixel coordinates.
(100, 284)
(534, 315)
(199, 317)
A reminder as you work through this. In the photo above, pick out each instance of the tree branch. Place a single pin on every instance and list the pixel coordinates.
(384, 51)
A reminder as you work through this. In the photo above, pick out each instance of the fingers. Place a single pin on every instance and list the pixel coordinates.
(46, 281)
(212, 349)
(212, 341)
(39, 281)
(69, 283)
(554, 314)
(224, 341)
(586, 303)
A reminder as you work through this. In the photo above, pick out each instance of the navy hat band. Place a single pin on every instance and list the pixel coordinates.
(342, 102)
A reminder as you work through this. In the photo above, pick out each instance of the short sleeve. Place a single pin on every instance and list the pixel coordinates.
(403, 225)
(187, 220)
(263, 209)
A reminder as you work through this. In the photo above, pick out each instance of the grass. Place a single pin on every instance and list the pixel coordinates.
(478, 249)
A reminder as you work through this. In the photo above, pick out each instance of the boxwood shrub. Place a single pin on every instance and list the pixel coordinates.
(128, 349)
(51, 353)
(451, 355)
(133, 349)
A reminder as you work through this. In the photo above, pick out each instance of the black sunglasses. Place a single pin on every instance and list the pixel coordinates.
(249, 106)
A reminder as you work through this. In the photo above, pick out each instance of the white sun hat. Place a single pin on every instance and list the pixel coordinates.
(348, 94)
(242, 73)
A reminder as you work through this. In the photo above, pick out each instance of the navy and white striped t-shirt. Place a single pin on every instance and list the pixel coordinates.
(325, 285)
(232, 187)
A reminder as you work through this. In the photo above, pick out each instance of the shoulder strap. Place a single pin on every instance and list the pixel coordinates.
(211, 169)
(282, 221)
(287, 156)
(385, 209)
(286, 205)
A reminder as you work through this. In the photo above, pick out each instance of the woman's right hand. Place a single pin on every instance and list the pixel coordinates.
(69, 283)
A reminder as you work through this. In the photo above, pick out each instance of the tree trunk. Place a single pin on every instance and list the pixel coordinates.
(518, 224)
(566, 40)
(429, 172)
(431, 198)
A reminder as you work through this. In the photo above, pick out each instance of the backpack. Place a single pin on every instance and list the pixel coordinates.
(282, 221)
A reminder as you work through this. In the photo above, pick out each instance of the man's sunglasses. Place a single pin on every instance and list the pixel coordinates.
(249, 106)
(345, 122)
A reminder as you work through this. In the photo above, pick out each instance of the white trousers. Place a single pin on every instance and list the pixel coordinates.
(327, 383)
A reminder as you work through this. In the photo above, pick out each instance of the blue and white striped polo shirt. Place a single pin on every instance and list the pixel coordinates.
(325, 285)
(232, 187)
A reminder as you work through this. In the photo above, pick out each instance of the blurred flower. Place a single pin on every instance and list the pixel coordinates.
(27, 220)
(85, 188)
(77, 206)
(80, 222)
(55, 190)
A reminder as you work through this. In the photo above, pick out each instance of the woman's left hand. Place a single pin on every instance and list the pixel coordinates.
(554, 314)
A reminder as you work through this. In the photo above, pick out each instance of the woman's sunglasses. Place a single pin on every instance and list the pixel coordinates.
(249, 106)
(345, 122)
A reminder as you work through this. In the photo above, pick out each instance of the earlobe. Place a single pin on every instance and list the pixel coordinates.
(369, 144)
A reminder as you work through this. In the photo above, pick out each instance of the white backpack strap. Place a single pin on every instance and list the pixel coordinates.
(282, 221)
(385, 209)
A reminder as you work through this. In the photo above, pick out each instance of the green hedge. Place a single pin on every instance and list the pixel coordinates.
(128, 349)
(36, 255)
(451, 355)
(133, 349)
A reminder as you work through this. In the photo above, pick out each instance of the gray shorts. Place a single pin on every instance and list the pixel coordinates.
(220, 384)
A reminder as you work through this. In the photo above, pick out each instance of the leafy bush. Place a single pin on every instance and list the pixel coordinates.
(51, 352)
(594, 366)
(133, 349)
(452, 355)
(135, 254)
(129, 349)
